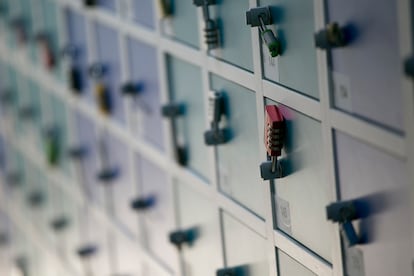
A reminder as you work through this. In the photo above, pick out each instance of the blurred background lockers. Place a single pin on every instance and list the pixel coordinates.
(105, 169)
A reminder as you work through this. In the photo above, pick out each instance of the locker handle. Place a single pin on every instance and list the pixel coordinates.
(232, 271)
(36, 198)
(143, 203)
(77, 152)
(87, 251)
(273, 139)
(59, 224)
(173, 110)
(132, 88)
(217, 109)
(90, 3)
(211, 31)
(344, 212)
(261, 17)
(333, 36)
(180, 237)
(107, 175)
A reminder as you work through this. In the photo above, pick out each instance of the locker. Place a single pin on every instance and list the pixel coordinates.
(236, 41)
(76, 31)
(147, 120)
(144, 13)
(202, 256)
(288, 266)
(238, 158)
(182, 25)
(108, 53)
(301, 195)
(87, 167)
(186, 89)
(294, 26)
(158, 219)
(380, 190)
(249, 255)
(365, 71)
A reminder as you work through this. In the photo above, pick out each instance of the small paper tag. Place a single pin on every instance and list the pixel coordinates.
(283, 215)
(342, 91)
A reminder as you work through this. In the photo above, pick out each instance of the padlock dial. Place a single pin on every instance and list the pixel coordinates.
(274, 130)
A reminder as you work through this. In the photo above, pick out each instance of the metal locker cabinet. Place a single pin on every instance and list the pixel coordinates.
(121, 187)
(76, 32)
(296, 67)
(185, 88)
(288, 266)
(244, 247)
(158, 220)
(204, 256)
(366, 74)
(379, 185)
(238, 159)
(108, 52)
(236, 40)
(144, 13)
(182, 25)
(90, 164)
(146, 105)
(302, 194)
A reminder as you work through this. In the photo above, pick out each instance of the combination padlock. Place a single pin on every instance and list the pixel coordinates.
(102, 94)
(211, 31)
(273, 140)
(52, 146)
(216, 111)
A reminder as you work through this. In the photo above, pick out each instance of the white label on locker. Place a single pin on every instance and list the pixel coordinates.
(283, 215)
(354, 262)
(342, 91)
(167, 27)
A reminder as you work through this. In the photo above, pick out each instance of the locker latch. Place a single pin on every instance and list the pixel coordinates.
(143, 203)
(333, 36)
(344, 213)
(87, 251)
(77, 152)
(211, 31)
(47, 56)
(132, 88)
(172, 111)
(261, 17)
(90, 3)
(216, 135)
(36, 198)
(108, 173)
(14, 179)
(409, 67)
(59, 224)
(103, 97)
(19, 26)
(27, 112)
(52, 145)
(273, 140)
(232, 271)
(166, 8)
(180, 237)
(74, 74)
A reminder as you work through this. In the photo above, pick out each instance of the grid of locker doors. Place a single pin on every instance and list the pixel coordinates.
(101, 78)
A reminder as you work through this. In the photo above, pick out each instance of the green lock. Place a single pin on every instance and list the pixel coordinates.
(52, 147)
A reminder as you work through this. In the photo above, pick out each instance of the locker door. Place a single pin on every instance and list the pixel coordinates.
(87, 167)
(203, 256)
(144, 13)
(250, 255)
(146, 105)
(185, 89)
(158, 219)
(235, 36)
(288, 266)
(365, 71)
(182, 25)
(238, 159)
(379, 186)
(294, 26)
(109, 54)
(76, 31)
(302, 193)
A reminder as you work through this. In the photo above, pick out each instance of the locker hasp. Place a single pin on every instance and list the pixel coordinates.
(260, 17)
(143, 203)
(333, 36)
(59, 224)
(102, 94)
(71, 53)
(87, 251)
(232, 271)
(216, 110)
(36, 199)
(344, 212)
(273, 141)
(132, 88)
(180, 237)
(211, 31)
